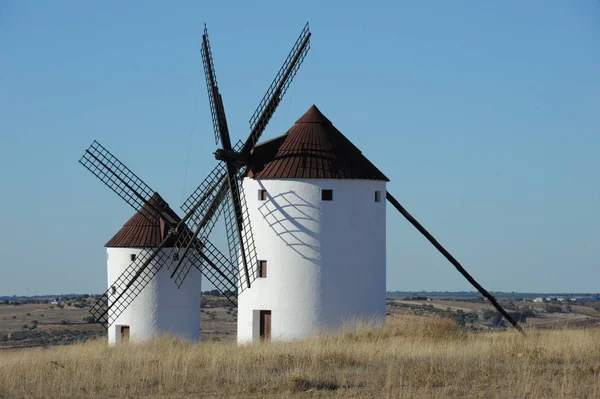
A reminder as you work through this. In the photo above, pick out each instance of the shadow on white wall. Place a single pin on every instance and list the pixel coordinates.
(289, 215)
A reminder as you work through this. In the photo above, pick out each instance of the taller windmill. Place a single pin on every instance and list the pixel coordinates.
(318, 213)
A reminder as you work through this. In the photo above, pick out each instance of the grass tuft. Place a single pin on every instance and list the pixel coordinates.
(298, 383)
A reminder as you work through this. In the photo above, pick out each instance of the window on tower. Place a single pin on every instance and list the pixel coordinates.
(132, 257)
(262, 268)
(327, 195)
(377, 196)
(262, 195)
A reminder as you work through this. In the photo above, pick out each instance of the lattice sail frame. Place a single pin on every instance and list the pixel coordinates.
(209, 69)
(247, 237)
(118, 177)
(214, 265)
(279, 86)
(221, 202)
(200, 225)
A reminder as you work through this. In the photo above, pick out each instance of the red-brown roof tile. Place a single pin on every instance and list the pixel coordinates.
(147, 228)
(312, 149)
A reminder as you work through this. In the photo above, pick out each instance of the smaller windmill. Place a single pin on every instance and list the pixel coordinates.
(155, 305)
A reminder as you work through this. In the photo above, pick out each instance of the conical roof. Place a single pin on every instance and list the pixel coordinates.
(312, 149)
(148, 227)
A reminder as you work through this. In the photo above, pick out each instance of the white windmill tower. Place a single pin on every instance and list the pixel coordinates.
(318, 217)
(160, 307)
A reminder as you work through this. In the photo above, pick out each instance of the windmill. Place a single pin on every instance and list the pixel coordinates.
(150, 239)
(186, 239)
(225, 191)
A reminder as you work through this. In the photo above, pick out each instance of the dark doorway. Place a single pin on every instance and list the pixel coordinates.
(124, 333)
(265, 324)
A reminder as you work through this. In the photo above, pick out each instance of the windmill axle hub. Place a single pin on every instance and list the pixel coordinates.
(230, 155)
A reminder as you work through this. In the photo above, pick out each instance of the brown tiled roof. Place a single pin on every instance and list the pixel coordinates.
(312, 149)
(147, 228)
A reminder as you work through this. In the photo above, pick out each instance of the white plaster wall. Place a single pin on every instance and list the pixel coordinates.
(160, 308)
(325, 259)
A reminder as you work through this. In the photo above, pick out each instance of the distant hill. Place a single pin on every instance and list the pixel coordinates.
(23, 297)
(497, 294)
(461, 294)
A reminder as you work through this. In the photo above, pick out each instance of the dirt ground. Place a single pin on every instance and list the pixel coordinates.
(572, 317)
(13, 318)
(42, 324)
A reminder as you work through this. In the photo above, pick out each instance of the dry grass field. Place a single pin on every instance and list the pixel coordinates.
(412, 357)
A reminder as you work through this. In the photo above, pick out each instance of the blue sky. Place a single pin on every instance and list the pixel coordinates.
(484, 115)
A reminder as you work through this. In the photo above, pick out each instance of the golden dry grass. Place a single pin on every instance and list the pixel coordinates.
(411, 357)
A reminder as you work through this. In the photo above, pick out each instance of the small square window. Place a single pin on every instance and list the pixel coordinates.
(262, 268)
(132, 257)
(262, 195)
(377, 196)
(327, 195)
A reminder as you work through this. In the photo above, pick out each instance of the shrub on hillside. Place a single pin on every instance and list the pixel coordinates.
(489, 314)
(498, 320)
(527, 312)
(550, 308)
